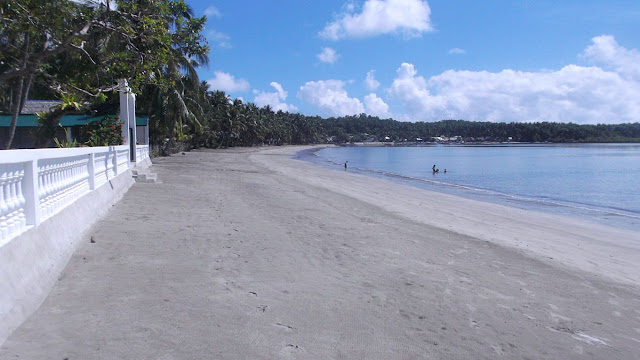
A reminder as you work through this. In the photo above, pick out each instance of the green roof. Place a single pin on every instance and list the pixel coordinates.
(66, 121)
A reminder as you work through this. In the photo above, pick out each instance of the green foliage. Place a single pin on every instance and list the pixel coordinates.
(65, 143)
(47, 123)
(105, 132)
(82, 49)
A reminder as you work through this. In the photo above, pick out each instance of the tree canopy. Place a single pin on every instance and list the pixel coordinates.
(80, 50)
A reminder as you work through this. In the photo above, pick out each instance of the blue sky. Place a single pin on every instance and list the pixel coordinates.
(565, 61)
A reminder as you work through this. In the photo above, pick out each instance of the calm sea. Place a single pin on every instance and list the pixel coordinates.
(595, 182)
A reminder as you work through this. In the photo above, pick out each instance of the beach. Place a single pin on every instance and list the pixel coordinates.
(247, 253)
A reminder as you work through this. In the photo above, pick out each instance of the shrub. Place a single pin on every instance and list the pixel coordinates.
(105, 132)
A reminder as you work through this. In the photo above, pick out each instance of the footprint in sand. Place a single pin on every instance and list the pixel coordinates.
(291, 349)
(473, 324)
(285, 327)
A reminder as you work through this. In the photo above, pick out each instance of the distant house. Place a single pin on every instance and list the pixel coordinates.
(28, 121)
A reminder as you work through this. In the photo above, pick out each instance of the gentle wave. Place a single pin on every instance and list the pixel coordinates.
(539, 201)
(602, 213)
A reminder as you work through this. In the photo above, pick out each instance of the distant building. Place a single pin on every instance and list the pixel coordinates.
(28, 121)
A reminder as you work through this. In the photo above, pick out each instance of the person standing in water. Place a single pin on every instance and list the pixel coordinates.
(345, 164)
(433, 168)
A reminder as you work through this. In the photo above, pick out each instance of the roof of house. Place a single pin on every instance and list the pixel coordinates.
(31, 120)
(38, 106)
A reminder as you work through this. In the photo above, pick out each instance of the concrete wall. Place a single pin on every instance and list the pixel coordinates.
(31, 263)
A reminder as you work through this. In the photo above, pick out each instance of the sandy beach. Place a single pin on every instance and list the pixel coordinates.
(250, 254)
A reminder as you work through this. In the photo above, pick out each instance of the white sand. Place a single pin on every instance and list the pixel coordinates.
(601, 250)
(248, 254)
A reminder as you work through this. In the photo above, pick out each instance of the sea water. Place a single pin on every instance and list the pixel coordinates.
(594, 182)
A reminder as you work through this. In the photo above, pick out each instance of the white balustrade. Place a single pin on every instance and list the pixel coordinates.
(122, 160)
(142, 152)
(64, 180)
(37, 183)
(100, 168)
(12, 201)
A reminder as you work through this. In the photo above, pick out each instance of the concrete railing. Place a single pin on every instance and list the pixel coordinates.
(36, 184)
(142, 152)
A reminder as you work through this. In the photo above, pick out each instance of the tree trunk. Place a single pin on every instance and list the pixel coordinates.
(22, 91)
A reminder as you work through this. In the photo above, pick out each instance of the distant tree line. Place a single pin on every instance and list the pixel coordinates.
(227, 123)
(360, 127)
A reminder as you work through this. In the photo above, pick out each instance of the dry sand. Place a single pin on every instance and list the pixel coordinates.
(248, 254)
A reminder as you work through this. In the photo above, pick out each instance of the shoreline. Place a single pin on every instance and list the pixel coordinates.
(600, 214)
(479, 144)
(565, 240)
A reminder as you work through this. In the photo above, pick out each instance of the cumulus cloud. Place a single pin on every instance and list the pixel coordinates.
(220, 39)
(572, 94)
(376, 106)
(331, 97)
(371, 81)
(457, 51)
(228, 83)
(328, 55)
(212, 11)
(411, 18)
(606, 51)
(274, 99)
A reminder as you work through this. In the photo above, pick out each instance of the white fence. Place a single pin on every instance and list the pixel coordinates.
(36, 184)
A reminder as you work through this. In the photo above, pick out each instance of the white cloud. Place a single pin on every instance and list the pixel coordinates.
(274, 99)
(457, 51)
(572, 94)
(605, 50)
(331, 97)
(221, 39)
(408, 17)
(371, 81)
(228, 83)
(328, 55)
(376, 106)
(212, 11)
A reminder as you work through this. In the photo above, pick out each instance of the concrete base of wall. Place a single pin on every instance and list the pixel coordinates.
(31, 263)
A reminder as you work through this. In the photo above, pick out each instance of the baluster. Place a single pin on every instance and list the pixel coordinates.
(42, 189)
(12, 202)
(62, 182)
(44, 173)
(22, 201)
(54, 189)
(4, 207)
(50, 187)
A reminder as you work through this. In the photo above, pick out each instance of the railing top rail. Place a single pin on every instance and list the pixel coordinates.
(24, 155)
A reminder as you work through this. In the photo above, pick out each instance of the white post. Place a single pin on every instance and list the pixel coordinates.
(31, 193)
(131, 102)
(115, 160)
(91, 169)
(146, 133)
(68, 133)
(124, 109)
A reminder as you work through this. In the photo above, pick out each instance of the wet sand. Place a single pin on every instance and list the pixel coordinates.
(246, 253)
